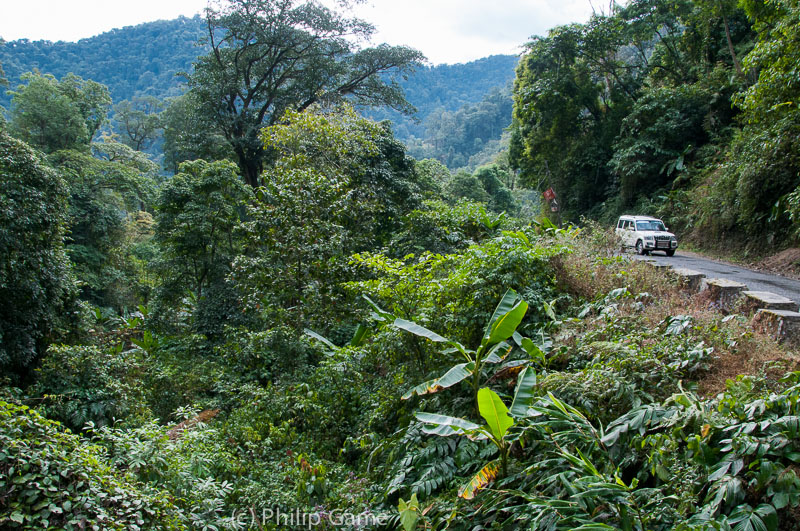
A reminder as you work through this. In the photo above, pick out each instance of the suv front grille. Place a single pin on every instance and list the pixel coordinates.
(662, 242)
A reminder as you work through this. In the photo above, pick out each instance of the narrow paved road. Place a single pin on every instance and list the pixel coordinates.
(754, 280)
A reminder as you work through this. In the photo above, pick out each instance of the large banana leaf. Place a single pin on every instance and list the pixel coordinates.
(486, 475)
(359, 336)
(326, 342)
(379, 314)
(504, 306)
(418, 330)
(498, 353)
(533, 350)
(456, 374)
(523, 394)
(507, 324)
(445, 426)
(495, 412)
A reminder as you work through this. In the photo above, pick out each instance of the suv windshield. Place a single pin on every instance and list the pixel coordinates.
(654, 225)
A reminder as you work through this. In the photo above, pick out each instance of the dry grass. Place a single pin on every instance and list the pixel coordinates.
(593, 270)
(175, 432)
(596, 266)
(785, 263)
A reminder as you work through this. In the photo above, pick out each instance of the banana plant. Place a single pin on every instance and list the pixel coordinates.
(359, 336)
(494, 346)
(496, 430)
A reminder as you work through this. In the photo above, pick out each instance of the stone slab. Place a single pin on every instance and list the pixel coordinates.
(769, 301)
(723, 291)
(724, 283)
(783, 325)
(691, 278)
(786, 315)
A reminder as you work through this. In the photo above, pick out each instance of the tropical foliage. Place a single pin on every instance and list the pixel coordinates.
(678, 108)
(345, 337)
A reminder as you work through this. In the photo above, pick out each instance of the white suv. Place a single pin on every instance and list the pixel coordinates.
(646, 234)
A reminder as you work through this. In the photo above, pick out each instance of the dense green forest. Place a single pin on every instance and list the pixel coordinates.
(142, 63)
(302, 326)
(687, 109)
(140, 60)
(468, 137)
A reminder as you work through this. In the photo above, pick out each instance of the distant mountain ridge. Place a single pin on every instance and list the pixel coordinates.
(135, 60)
(448, 88)
(144, 60)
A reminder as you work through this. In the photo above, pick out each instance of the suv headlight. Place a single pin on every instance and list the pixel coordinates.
(649, 238)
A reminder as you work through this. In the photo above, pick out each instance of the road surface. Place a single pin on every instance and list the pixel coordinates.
(755, 280)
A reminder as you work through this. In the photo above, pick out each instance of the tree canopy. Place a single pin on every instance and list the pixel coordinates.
(56, 114)
(268, 57)
(36, 284)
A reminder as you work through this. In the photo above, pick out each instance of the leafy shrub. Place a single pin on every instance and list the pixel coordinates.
(182, 371)
(455, 295)
(195, 466)
(441, 228)
(593, 268)
(83, 384)
(198, 213)
(274, 354)
(51, 479)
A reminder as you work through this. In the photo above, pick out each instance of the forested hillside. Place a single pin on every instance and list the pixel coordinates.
(468, 137)
(302, 326)
(142, 61)
(462, 111)
(132, 61)
(448, 88)
(687, 109)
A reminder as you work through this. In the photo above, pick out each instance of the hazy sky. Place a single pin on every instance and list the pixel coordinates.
(446, 31)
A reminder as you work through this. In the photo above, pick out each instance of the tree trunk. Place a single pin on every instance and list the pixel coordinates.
(252, 174)
(730, 41)
(250, 167)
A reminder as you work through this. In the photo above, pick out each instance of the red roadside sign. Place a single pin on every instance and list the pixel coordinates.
(549, 194)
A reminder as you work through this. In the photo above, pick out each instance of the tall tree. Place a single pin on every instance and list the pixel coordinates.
(92, 100)
(3, 80)
(340, 184)
(3, 83)
(270, 56)
(198, 214)
(53, 115)
(36, 285)
(190, 135)
(107, 189)
(569, 97)
(139, 121)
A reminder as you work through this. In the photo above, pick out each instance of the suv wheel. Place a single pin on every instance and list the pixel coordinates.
(671, 252)
(640, 248)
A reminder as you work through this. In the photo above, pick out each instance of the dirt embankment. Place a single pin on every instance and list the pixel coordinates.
(785, 263)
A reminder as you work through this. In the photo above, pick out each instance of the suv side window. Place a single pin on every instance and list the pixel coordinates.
(620, 223)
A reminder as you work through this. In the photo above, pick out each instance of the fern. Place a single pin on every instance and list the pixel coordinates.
(419, 464)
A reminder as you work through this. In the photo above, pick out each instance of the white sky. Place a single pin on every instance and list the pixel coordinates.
(446, 31)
